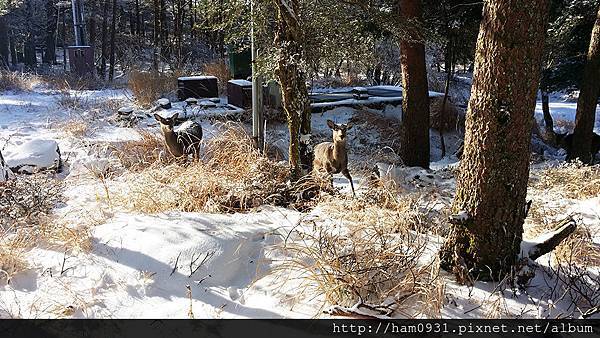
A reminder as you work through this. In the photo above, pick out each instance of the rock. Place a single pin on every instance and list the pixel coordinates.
(125, 111)
(5, 172)
(164, 103)
(191, 101)
(33, 156)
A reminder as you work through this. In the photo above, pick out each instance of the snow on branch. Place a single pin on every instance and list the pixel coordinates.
(547, 242)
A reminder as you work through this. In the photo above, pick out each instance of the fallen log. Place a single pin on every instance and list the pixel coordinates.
(548, 242)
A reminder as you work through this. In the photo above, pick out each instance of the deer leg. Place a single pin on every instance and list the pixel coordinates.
(346, 174)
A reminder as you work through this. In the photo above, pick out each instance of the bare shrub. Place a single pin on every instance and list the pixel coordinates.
(575, 274)
(147, 87)
(28, 199)
(220, 70)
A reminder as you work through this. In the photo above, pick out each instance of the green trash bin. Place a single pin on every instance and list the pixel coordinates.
(240, 63)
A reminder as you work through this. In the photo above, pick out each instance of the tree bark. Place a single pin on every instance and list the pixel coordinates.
(288, 40)
(588, 98)
(29, 52)
(104, 55)
(4, 43)
(549, 134)
(494, 170)
(51, 19)
(113, 32)
(414, 144)
(156, 35)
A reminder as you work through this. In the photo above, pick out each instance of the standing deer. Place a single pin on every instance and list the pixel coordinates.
(333, 156)
(183, 141)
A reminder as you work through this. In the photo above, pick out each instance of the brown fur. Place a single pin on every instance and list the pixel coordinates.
(180, 143)
(332, 157)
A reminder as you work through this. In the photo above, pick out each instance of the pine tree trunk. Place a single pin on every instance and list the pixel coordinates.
(51, 18)
(113, 32)
(12, 48)
(92, 23)
(29, 52)
(4, 43)
(492, 181)
(414, 144)
(549, 134)
(588, 98)
(104, 55)
(156, 35)
(288, 40)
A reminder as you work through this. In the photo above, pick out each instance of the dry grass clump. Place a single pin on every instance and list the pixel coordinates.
(65, 81)
(150, 150)
(356, 252)
(231, 176)
(147, 87)
(26, 221)
(571, 180)
(17, 81)
(220, 70)
(75, 128)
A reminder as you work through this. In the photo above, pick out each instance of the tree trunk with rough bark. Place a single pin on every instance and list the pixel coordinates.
(104, 54)
(289, 73)
(549, 134)
(484, 241)
(113, 32)
(4, 43)
(51, 19)
(414, 145)
(588, 98)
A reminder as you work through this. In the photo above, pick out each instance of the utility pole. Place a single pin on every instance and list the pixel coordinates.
(258, 126)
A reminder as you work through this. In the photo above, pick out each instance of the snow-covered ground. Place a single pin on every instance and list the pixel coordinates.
(175, 264)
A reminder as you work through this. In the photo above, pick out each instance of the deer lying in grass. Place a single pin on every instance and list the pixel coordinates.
(183, 141)
(332, 157)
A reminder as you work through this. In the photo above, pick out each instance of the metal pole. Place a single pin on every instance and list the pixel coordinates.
(257, 118)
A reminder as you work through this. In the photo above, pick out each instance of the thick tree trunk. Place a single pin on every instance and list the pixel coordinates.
(549, 134)
(414, 143)
(492, 181)
(51, 19)
(586, 104)
(13, 49)
(4, 43)
(156, 35)
(92, 23)
(29, 50)
(113, 32)
(288, 39)
(104, 55)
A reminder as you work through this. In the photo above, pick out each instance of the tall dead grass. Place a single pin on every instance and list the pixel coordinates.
(147, 87)
(231, 176)
(27, 221)
(365, 251)
(220, 70)
(571, 180)
(18, 81)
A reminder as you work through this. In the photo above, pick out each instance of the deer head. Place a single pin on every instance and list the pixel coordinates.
(340, 131)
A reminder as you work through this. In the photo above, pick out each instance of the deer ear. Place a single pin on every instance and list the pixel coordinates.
(349, 126)
(175, 116)
(330, 124)
(159, 118)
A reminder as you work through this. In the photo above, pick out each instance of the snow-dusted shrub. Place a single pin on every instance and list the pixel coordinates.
(28, 199)
(570, 180)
